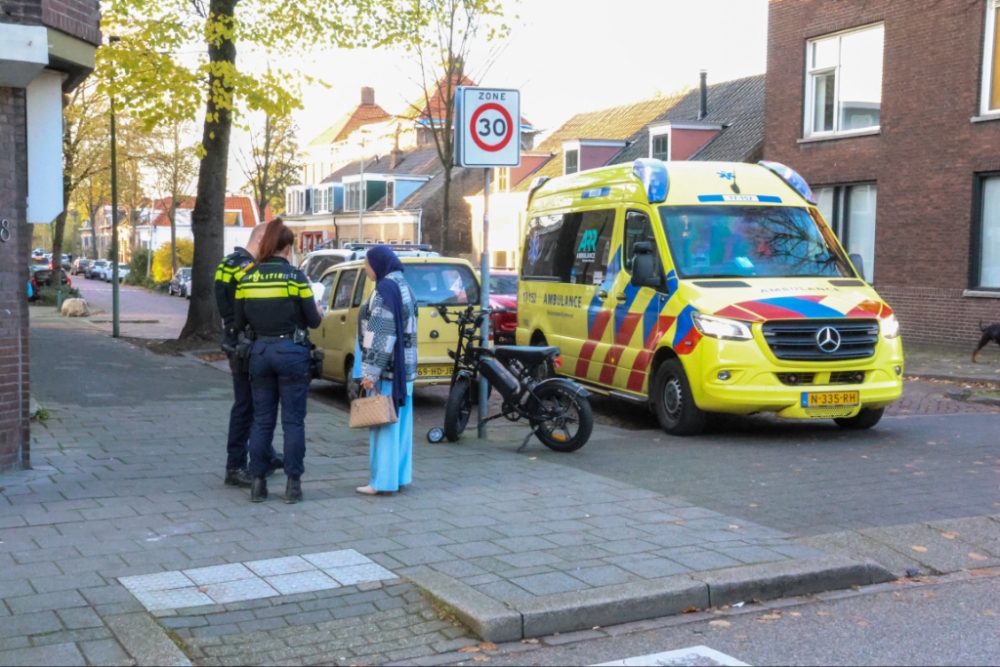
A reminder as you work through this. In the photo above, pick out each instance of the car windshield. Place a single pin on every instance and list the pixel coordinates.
(747, 241)
(503, 284)
(434, 284)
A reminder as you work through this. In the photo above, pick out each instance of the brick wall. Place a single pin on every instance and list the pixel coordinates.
(79, 18)
(14, 387)
(925, 159)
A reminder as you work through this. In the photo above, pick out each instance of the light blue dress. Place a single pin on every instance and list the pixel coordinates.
(392, 446)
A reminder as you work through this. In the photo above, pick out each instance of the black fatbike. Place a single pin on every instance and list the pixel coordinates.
(557, 410)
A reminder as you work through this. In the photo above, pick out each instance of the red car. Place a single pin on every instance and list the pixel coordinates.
(503, 294)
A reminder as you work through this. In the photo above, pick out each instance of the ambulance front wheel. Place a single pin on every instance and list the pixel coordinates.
(673, 402)
(867, 418)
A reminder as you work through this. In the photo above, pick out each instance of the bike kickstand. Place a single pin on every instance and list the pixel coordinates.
(525, 443)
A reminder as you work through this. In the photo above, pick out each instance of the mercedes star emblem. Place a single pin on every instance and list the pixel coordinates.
(828, 340)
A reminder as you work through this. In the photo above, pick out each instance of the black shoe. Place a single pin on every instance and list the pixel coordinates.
(293, 490)
(276, 464)
(258, 492)
(238, 477)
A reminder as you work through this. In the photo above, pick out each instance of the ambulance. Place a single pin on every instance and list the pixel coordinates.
(698, 287)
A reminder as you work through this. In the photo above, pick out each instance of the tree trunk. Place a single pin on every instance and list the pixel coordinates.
(446, 212)
(173, 237)
(207, 218)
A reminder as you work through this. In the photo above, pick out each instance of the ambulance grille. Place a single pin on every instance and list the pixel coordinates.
(795, 340)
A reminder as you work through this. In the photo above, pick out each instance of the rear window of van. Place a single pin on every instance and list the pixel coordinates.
(435, 284)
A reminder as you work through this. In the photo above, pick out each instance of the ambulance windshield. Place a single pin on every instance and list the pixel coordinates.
(747, 241)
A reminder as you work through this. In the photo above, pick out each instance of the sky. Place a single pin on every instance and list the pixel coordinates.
(566, 56)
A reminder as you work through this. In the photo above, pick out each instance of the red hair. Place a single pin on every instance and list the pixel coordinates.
(277, 237)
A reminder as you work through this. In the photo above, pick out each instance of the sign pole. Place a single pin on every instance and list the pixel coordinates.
(484, 281)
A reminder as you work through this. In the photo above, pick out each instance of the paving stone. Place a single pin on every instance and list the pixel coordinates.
(218, 574)
(55, 654)
(45, 602)
(81, 617)
(277, 566)
(302, 582)
(177, 598)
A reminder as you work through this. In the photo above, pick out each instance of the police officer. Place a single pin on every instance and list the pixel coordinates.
(227, 277)
(275, 300)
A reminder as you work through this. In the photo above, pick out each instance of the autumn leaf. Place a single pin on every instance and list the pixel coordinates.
(481, 658)
(733, 526)
(982, 573)
(822, 613)
(529, 641)
(488, 646)
(719, 624)
(918, 549)
(949, 536)
(690, 610)
(794, 613)
(754, 505)
(929, 595)
(767, 618)
(975, 556)
(469, 649)
(863, 623)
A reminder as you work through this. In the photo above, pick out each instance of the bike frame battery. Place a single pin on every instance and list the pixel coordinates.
(501, 378)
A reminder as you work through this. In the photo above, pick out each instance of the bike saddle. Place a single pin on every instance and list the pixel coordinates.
(528, 356)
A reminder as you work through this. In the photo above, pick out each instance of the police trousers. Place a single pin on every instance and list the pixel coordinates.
(279, 375)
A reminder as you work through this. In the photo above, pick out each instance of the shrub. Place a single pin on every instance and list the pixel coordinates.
(162, 270)
(138, 267)
(49, 296)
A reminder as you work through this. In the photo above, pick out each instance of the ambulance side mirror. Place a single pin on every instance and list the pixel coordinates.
(859, 264)
(644, 273)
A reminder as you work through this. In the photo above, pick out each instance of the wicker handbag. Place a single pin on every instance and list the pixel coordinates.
(374, 410)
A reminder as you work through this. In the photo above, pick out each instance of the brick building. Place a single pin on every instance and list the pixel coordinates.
(47, 49)
(891, 111)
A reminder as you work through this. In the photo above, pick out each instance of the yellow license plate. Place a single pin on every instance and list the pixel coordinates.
(830, 398)
(434, 371)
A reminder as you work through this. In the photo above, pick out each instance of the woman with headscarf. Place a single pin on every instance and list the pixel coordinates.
(389, 365)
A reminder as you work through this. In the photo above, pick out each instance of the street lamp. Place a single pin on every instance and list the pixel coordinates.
(115, 324)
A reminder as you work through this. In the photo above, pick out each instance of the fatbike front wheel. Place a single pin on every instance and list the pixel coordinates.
(563, 419)
(458, 409)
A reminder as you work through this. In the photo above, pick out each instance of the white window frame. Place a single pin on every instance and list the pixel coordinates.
(656, 132)
(566, 152)
(989, 43)
(810, 87)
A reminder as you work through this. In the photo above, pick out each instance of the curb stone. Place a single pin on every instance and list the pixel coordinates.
(146, 640)
(637, 601)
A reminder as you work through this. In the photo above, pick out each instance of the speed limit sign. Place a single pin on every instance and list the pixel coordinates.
(487, 127)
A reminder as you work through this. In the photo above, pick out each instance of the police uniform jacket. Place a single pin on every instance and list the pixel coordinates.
(227, 277)
(275, 299)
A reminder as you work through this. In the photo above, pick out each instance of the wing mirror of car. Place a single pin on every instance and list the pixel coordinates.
(859, 264)
(644, 272)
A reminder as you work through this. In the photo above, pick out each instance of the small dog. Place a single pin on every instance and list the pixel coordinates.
(990, 333)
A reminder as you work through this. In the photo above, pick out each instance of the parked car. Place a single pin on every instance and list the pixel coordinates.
(503, 294)
(123, 271)
(42, 276)
(95, 270)
(179, 284)
(80, 266)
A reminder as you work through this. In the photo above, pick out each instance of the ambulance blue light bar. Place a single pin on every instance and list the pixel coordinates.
(653, 174)
(536, 183)
(792, 177)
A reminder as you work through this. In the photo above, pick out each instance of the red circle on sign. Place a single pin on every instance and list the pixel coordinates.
(492, 106)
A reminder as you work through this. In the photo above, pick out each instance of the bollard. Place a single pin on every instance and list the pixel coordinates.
(59, 300)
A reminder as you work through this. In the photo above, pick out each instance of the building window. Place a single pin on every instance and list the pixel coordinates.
(572, 161)
(660, 147)
(844, 82)
(989, 233)
(991, 59)
(321, 200)
(850, 212)
(502, 180)
(352, 196)
(390, 194)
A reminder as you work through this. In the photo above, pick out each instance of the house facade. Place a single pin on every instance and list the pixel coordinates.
(891, 111)
(47, 48)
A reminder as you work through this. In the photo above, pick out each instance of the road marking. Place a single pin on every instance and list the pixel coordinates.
(253, 580)
(694, 655)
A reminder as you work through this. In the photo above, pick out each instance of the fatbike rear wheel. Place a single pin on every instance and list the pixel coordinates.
(563, 419)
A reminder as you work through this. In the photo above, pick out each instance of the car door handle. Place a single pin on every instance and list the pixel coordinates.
(343, 318)
(622, 297)
(602, 294)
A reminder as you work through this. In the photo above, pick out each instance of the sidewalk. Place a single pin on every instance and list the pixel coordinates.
(935, 364)
(128, 483)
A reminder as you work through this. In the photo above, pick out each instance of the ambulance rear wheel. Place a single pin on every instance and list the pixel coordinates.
(673, 401)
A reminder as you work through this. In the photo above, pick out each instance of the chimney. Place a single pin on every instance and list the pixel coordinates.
(703, 105)
(368, 97)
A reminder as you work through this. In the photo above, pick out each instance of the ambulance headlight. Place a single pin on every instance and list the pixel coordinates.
(721, 327)
(890, 327)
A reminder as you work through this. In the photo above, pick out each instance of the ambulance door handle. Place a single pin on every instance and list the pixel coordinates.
(622, 297)
(602, 294)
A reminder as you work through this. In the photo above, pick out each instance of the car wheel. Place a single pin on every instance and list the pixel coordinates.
(673, 401)
(867, 418)
(351, 384)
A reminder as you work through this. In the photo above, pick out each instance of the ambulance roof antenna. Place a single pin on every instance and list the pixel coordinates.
(733, 186)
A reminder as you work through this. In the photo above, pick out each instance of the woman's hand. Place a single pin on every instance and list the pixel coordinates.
(367, 384)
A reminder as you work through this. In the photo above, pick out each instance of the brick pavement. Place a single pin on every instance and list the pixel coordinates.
(130, 484)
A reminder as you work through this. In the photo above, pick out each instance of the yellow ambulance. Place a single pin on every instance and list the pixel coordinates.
(699, 287)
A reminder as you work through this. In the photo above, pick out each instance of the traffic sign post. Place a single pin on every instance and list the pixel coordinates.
(488, 135)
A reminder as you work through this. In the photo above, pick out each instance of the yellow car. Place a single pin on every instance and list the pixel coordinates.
(435, 281)
(699, 287)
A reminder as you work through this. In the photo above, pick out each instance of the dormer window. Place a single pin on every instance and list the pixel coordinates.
(390, 195)
(572, 161)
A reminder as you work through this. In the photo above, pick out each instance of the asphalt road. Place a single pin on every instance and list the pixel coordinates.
(143, 314)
